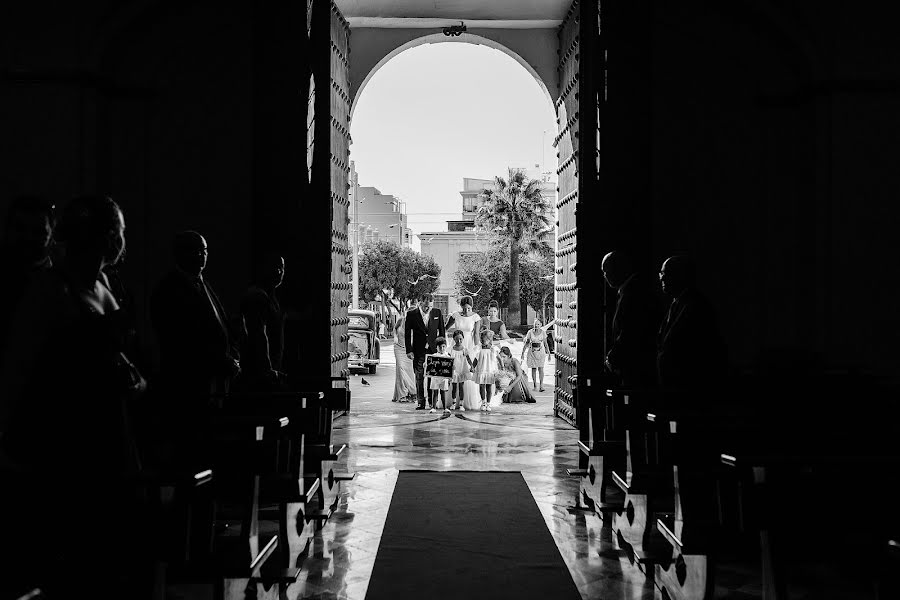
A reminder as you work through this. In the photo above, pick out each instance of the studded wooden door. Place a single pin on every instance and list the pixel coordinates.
(339, 93)
(577, 144)
(328, 164)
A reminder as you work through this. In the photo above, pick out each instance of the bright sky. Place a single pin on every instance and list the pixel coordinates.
(439, 112)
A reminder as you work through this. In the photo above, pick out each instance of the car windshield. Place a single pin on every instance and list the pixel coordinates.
(359, 322)
(358, 344)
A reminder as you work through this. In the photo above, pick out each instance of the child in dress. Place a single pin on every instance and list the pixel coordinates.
(439, 384)
(462, 362)
(485, 368)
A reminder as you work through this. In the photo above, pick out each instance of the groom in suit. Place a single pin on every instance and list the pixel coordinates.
(423, 325)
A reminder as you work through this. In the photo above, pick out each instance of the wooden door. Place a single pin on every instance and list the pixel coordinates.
(577, 143)
(604, 148)
(328, 164)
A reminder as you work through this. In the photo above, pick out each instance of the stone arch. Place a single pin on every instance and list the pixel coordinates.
(373, 48)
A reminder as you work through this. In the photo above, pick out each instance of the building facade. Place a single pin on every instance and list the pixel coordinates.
(461, 237)
(376, 216)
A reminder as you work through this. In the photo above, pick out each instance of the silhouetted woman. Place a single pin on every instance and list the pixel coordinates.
(68, 425)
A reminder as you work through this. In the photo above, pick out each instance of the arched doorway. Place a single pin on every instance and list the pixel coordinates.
(568, 45)
(546, 78)
(436, 124)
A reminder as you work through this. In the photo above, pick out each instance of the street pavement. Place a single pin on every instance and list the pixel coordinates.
(376, 396)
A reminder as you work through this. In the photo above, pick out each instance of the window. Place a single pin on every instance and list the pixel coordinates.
(441, 302)
(359, 322)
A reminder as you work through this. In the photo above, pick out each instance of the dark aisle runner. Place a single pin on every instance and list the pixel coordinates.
(467, 535)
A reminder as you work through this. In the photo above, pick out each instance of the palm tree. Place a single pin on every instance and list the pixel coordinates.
(519, 215)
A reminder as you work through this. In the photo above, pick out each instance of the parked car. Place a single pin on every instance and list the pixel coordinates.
(363, 345)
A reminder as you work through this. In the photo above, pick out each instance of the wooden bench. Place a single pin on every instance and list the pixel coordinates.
(626, 480)
(212, 533)
(329, 399)
(787, 467)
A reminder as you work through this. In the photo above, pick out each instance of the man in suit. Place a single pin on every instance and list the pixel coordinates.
(632, 351)
(690, 350)
(197, 356)
(423, 325)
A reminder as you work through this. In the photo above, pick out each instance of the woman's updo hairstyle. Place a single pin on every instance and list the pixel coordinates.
(464, 301)
(90, 225)
(494, 304)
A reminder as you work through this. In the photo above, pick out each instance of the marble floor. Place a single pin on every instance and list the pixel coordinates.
(541, 447)
(340, 557)
(379, 445)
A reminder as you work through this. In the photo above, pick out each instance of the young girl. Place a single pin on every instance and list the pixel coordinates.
(462, 362)
(485, 368)
(439, 384)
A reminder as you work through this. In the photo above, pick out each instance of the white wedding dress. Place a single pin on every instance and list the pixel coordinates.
(466, 324)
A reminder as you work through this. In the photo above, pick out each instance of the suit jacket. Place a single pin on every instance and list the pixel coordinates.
(690, 348)
(632, 353)
(194, 342)
(418, 335)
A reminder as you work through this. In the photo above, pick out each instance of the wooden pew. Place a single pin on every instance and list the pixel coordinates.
(693, 529)
(292, 489)
(788, 469)
(645, 482)
(241, 450)
(601, 446)
(626, 479)
(327, 398)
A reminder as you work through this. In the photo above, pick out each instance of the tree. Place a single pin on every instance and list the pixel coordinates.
(538, 280)
(485, 277)
(519, 215)
(384, 266)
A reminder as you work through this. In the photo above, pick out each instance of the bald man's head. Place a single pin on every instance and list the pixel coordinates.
(617, 268)
(677, 274)
(190, 252)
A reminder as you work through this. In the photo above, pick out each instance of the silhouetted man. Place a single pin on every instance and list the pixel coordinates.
(690, 351)
(196, 353)
(424, 324)
(632, 351)
(263, 319)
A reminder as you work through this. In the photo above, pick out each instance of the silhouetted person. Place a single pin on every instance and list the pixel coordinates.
(197, 357)
(632, 351)
(263, 318)
(424, 325)
(690, 351)
(24, 251)
(69, 387)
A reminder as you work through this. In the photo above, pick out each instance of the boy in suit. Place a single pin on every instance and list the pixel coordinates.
(424, 325)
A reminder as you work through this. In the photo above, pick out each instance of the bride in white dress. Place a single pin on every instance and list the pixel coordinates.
(466, 321)
(469, 323)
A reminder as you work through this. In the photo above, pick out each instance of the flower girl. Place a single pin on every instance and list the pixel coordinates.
(485, 368)
(462, 362)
